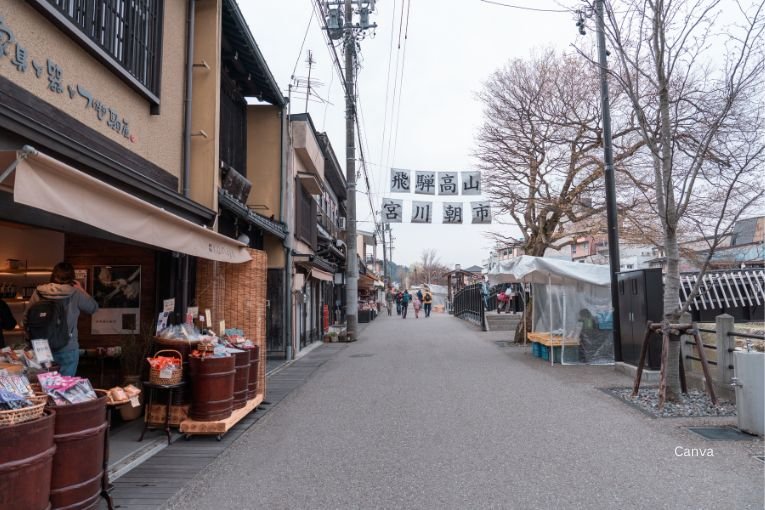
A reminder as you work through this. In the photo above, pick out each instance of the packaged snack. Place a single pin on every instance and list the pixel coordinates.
(117, 394)
(131, 391)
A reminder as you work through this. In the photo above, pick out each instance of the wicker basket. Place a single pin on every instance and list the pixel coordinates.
(33, 412)
(155, 373)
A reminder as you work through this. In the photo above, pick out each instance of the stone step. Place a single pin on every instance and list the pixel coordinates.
(502, 322)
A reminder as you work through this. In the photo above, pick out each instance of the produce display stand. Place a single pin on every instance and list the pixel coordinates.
(218, 428)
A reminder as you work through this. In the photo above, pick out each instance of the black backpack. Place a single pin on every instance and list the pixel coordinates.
(47, 319)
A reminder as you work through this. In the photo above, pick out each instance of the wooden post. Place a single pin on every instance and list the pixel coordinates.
(683, 380)
(705, 366)
(641, 363)
(663, 373)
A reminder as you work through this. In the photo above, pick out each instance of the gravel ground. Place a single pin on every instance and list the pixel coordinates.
(694, 404)
(436, 415)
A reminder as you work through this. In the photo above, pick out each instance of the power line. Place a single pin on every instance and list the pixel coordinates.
(523, 8)
(302, 44)
(387, 88)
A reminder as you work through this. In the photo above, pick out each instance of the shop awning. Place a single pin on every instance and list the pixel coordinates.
(367, 282)
(322, 275)
(53, 186)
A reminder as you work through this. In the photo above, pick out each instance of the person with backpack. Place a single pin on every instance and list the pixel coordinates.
(427, 301)
(405, 298)
(52, 313)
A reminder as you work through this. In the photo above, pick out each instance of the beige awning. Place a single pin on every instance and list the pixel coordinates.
(54, 186)
(322, 275)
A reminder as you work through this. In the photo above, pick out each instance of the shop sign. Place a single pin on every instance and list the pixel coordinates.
(50, 70)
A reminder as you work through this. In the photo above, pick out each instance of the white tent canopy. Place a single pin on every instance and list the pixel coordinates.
(572, 305)
(530, 269)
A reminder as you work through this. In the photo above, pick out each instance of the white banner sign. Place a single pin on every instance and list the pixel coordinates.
(448, 183)
(452, 213)
(392, 210)
(425, 183)
(422, 212)
(399, 181)
(481, 212)
(471, 183)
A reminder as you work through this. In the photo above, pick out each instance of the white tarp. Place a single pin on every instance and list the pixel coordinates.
(543, 270)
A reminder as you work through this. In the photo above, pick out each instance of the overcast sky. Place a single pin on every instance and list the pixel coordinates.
(452, 47)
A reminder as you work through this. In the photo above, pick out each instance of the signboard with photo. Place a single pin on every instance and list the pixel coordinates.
(117, 289)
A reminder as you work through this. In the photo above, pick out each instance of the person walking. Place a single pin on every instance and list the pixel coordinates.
(63, 297)
(399, 297)
(405, 298)
(427, 301)
(419, 295)
(417, 304)
(502, 302)
(389, 298)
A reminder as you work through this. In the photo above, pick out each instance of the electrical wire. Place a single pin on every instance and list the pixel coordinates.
(387, 89)
(401, 87)
(523, 8)
(302, 44)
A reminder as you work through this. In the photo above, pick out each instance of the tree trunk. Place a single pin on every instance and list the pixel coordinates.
(671, 293)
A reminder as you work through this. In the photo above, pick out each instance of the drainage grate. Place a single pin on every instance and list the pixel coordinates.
(721, 433)
(503, 343)
(360, 355)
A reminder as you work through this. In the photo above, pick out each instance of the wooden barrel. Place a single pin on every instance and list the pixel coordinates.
(78, 462)
(26, 460)
(242, 378)
(252, 383)
(181, 395)
(212, 388)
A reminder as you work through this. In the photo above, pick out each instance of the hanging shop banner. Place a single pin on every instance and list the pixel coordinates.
(471, 183)
(425, 183)
(481, 212)
(117, 289)
(448, 183)
(452, 213)
(399, 181)
(392, 210)
(422, 212)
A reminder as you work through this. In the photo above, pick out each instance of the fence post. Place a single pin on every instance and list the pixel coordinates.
(724, 324)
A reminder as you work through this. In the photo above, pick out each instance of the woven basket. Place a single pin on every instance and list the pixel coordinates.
(156, 378)
(33, 412)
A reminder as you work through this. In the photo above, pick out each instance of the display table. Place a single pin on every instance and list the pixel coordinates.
(217, 428)
(552, 347)
(551, 340)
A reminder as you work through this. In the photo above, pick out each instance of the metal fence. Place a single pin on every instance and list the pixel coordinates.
(469, 304)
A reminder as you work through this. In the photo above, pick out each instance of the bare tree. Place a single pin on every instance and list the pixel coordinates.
(429, 269)
(540, 148)
(693, 74)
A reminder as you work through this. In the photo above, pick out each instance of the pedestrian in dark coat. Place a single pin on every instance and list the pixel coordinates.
(405, 299)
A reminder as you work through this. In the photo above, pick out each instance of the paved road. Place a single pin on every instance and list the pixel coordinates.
(432, 414)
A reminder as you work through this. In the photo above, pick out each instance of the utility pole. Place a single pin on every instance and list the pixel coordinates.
(351, 262)
(610, 181)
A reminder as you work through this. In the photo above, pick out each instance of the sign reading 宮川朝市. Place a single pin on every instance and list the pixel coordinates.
(47, 68)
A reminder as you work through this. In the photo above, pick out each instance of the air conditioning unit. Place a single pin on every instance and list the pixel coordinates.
(341, 223)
